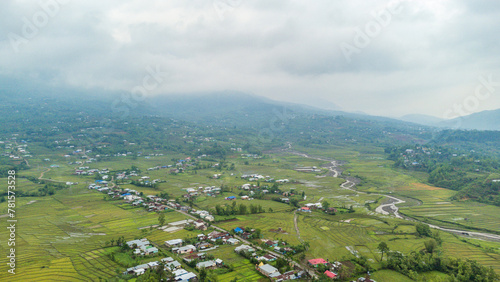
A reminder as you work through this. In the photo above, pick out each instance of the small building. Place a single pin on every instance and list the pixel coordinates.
(138, 243)
(318, 261)
(268, 270)
(244, 248)
(232, 241)
(206, 264)
(184, 250)
(330, 274)
(174, 243)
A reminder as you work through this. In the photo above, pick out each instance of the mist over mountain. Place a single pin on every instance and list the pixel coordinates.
(421, 119)
(485, 120)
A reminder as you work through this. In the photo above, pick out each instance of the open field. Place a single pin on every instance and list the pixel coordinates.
(436, 207)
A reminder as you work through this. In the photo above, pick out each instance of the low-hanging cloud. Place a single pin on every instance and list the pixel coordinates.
(422, 59)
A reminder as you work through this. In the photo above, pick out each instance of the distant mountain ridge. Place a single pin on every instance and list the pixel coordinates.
(233, 108)
(485, 120)
(421, 119)
(227, 108)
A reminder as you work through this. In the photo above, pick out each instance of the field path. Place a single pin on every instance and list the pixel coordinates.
(43, 172)
(46, 179)
(296, 225)
(391, 208)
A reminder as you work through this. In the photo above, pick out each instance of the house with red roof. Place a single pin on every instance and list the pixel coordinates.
(318, 261)
(330, 274)
(305, 209)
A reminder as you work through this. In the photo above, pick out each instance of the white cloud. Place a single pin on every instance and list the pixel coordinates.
(429, 55)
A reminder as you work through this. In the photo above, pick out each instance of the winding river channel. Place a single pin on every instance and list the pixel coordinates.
(389, 208)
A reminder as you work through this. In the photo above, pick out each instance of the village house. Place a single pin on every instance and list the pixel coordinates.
(290, 275)
(330, 274)
(268, 270)
(316, 262)
(244, 248)
(267, 258)
(206, 264)
(314, 205)
(138, 243)
(200, 225)
(232, 241)
(270, 243)
(193, 256)
(184, 250)
(183, 275)
(203, 245)
(215, 235)
(174, 243)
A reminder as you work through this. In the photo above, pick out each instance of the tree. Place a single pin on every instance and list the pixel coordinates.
(325, 205)
(306, 245)
(243, 209)
(203, 275)
(423, 230)
(212, 276)
(161, 219)
(219, 210)
(430, 245)
(383, 248)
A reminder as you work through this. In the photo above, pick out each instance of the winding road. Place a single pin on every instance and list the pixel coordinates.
(390, 208)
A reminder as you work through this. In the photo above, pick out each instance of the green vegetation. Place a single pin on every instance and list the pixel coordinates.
(68, 232)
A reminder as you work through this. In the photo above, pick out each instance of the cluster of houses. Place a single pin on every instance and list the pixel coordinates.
(254, 177)
(273, 273)
(279, 249)
(204, 242)
(310, 206)
(85, 170)
(169, 264)
(203, 215)
(308, 169)
(102, 186)
(333, 268)
(210, 191)
(258, 177)
(246, 156)
(142, 247)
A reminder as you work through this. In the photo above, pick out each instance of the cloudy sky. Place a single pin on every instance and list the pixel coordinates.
(387, 58)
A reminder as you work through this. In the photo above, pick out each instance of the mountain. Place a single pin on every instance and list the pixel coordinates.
(485, 120)
(233, 108)
(421, 119)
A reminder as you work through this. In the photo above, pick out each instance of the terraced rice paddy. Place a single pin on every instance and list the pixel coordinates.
(61, 238)
(437, 206)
